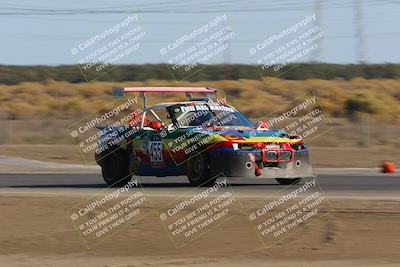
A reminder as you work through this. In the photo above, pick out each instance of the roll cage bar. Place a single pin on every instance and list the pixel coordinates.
(119, 92)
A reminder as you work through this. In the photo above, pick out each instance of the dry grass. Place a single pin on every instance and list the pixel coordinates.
(62, 100)
(39, 113)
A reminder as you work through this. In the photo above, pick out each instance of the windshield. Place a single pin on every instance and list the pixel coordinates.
(207, 115)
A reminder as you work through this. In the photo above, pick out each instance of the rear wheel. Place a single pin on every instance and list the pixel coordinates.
(288, 181)
(198, 170)
(115, 168)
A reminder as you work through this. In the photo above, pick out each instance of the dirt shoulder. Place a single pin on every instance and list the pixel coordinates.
(37, 232)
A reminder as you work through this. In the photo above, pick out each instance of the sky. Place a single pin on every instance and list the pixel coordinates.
(43, 32)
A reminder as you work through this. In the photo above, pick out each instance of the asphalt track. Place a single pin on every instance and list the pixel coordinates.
(333, 185)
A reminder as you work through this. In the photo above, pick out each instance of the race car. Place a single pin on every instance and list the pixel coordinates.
(201, 138)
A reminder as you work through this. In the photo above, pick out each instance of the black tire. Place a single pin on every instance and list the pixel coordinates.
(198, 170)
(286, 181)
(115, 168)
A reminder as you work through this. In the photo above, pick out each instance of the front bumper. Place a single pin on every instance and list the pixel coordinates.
(234, 163)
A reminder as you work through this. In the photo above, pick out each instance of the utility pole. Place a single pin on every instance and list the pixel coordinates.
(361, 48)
(318, 22)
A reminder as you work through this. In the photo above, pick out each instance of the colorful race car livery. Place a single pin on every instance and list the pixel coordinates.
(200, 138)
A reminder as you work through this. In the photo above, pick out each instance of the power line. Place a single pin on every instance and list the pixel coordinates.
(248, 8)
(238, 41)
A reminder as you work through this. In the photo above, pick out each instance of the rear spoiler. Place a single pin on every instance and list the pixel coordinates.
(120, 92)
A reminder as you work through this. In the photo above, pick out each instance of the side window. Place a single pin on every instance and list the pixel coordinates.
(136, 119)
(164, 116)
(148, 118)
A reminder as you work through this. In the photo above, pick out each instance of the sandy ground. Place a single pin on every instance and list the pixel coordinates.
(35, 231)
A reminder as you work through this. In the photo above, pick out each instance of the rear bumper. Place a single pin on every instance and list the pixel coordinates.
(233, 163)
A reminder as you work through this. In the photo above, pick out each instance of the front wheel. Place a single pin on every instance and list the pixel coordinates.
(288, 181)
(115, 168)
(198, 171)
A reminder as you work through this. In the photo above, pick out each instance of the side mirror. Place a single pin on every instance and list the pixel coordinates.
(156, 125)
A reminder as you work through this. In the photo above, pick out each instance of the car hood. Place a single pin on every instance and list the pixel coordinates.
(245, 135)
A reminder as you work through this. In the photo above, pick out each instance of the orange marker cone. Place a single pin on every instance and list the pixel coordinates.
(388, 167)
